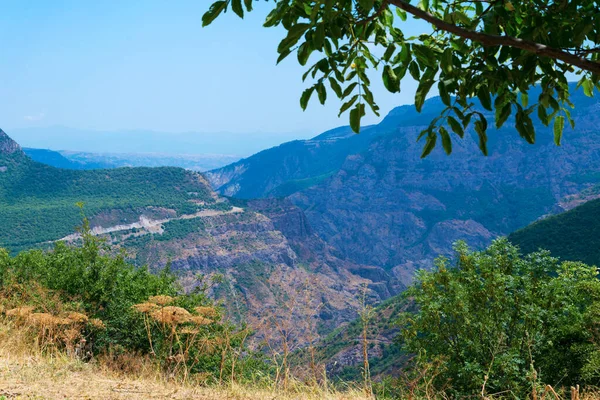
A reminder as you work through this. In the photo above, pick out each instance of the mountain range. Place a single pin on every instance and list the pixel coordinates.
(265, 249)
(59, 138)
(332, 218)
(372, 198)
(84, 160)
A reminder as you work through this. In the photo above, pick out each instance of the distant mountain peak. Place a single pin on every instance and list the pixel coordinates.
(7, 145)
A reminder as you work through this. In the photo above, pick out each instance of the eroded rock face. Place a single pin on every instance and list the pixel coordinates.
(376, 202)
(271, 260)
(388, 207)
(7, 145)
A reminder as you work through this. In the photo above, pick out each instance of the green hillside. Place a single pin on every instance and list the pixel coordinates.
(573, 235)
(38, 202)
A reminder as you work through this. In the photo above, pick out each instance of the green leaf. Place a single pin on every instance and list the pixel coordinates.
(424, 55)
(355, 116)
(559, 124)
(444, 95)
(553, 103)
(543, 115)
(294, 34)
(446, 61)
(272, 18)
(422, 90)
(413, 68)
(446, 141)
(348, 104)
(502, 114)
(524, 99)
(524, 126)
(480, 129)
(236, 6)
(248, 4)
(478, 8)
(213, 12)
(588, 87)
(389, 52)
(322, 92)
(405, 54)
(335, 86)
(388, 17)
(429, 145)
(456, 126)
(401, 13)
(483, 94)
(304, 52)
(306, 97)
(569, 118)
(349, 89)
(319, 36)
(283, 56)
(390, 80)
(366, 5)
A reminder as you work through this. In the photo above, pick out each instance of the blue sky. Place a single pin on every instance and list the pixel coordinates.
(122, 65)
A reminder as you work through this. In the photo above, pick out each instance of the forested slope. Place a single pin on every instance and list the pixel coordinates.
(38, 202)
(573, 235)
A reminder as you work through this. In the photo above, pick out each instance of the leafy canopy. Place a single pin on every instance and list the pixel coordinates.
(492, 50)
(503, 322)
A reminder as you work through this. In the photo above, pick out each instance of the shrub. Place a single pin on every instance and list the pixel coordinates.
(503, 322)
(73, 295)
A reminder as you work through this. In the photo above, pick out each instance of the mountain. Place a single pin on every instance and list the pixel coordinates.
(200, 162)
(299, 164)
(573, 235)
(268, 256)
(266, 251)
(372, 197)
(9, 147)
(148, 141)
(82, 160)
(56, 159)
(38, 201)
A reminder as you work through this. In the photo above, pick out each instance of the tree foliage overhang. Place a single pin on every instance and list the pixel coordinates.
(490, 50)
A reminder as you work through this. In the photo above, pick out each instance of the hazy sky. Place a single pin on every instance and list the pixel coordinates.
(148, 64)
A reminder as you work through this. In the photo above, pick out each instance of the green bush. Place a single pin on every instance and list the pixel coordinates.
(105, 287)
(502, 322)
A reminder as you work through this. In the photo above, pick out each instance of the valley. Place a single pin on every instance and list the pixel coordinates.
(300, 199)
(373, 199)
(266, 251)
(342, 217)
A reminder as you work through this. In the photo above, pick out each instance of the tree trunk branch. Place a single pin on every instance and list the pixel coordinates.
(495, 40)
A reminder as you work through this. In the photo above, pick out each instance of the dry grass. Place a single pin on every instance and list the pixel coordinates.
(27, 373)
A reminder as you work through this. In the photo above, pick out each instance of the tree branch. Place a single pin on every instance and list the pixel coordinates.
(495, 40)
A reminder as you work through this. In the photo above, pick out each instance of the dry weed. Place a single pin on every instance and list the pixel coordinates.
(161, 300)
(171, 315)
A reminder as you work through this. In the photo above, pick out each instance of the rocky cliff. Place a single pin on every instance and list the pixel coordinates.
(269, 258)
(7, 145)
(385, 206)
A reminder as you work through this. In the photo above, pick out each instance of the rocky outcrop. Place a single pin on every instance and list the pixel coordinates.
(388, 207)
(7, 145)
(268, 255)
(381, 205)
